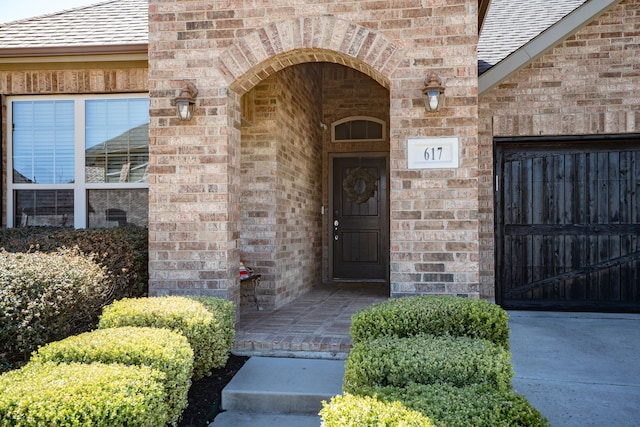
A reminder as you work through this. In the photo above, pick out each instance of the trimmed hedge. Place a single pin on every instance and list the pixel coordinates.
(474, 405)
(426, 359)
(73, 395)
(225, 314)
(123, 251)
(444, 357)
(358, 411)
(434, 315)
(161, 349)
(208, 330)
(46, 297)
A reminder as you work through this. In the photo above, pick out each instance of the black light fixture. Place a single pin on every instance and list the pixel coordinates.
(433, 93)
(186, 102)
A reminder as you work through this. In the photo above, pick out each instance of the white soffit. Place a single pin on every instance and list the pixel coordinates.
(546, 40)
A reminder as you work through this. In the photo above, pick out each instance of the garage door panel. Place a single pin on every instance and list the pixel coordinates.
(567, 226)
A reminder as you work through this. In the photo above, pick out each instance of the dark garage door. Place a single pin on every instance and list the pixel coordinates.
(568, 225)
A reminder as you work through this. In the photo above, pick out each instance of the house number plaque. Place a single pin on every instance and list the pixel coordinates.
(432, 153)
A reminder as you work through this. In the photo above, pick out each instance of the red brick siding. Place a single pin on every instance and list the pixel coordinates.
(281, 184)
(228, 47)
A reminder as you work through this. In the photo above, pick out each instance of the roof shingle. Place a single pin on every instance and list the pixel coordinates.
(111, 22)
(510, 24)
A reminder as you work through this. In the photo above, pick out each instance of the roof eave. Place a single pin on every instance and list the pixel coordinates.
(52, 51)
(546, 40)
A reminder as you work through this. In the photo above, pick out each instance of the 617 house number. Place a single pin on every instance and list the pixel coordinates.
(432, 153)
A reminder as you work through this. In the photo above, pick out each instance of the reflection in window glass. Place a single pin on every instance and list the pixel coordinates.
(43, 141)
(111, 208)
(44, 207)
(47, 136)
(117, 140)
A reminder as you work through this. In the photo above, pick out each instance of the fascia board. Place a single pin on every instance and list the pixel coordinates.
(79, 51)
(546, 40)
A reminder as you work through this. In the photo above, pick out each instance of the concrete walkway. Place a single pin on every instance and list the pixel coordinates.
(578, 369)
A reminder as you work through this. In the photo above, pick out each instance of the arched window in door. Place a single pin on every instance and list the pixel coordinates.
(358, 128)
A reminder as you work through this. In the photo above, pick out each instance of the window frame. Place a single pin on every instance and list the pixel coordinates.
(356, 118)
(80, 187)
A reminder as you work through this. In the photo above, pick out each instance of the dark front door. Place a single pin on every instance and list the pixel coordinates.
(360, 219)
(568, 225)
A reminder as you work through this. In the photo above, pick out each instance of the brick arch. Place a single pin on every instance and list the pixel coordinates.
(278, 45)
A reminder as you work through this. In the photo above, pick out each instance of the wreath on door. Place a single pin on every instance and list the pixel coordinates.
(359, 185)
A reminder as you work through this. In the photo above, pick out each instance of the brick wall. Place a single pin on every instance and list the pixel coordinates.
(258, 193)
(280, 233)
(585, 85)
(228, 47)
(299, 189)
(66, 78)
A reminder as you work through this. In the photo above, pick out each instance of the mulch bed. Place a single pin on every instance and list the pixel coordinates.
(204, 394)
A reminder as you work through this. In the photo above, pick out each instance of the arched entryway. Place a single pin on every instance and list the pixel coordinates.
(228, 49)
(293, 192)
(287, 105)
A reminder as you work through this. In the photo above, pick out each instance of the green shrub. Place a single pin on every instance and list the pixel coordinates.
(46, 297)
(123, 251)
(434, 315)
(474, 405)
(225, 314)
(207, 331)
(95, 395)
(358, 411)
(426, 359)
(161, 349)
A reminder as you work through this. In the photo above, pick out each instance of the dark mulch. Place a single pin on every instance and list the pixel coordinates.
(204, 394)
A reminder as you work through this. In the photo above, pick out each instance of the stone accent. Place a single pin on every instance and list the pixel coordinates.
(71, 79)
(228, 48)
(584, 86)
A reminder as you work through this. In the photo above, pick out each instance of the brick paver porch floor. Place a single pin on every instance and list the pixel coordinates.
(314, 325)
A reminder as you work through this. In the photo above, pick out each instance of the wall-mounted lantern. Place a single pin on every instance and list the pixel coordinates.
(433, 92)
(186, 102)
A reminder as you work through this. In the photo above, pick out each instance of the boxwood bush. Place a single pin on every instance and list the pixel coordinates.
(474, 405)
(427, 359)
(434, 315)
(161, 349)
(46, 297)
(209, 330)
(358, 411)
(225, 314)
(91, 395)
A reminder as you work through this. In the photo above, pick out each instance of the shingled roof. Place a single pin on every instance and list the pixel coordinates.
(507, 63)
(122, 26)
(110, 23)
(512, 23)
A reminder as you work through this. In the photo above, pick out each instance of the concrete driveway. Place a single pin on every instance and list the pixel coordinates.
(578, 369)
